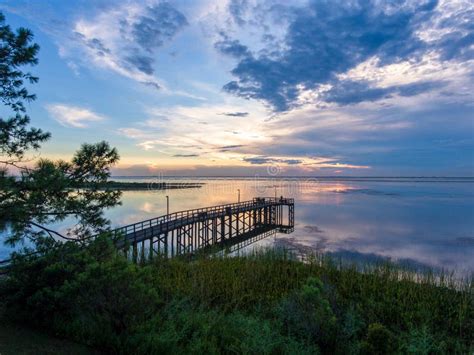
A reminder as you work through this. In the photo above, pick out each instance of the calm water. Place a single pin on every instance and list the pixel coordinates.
(418, 221)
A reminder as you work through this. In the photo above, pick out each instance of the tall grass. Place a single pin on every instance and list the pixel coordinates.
(201, 304)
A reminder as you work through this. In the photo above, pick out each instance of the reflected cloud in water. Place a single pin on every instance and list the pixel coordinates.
(425, 222)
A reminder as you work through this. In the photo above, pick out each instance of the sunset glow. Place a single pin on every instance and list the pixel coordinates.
(232, 87)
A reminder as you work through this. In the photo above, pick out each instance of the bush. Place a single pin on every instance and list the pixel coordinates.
(91, 295)
(420, 341)
(307, 315)
(379, 340)
(262, 303)
(186, 329)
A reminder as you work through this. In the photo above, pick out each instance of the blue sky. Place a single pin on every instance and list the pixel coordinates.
(240, 87)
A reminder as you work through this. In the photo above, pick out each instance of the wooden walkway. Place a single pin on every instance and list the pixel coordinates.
(187, 232)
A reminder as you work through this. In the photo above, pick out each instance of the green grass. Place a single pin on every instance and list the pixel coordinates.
(267, 302)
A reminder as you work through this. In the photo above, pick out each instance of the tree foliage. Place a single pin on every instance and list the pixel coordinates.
(17, 51)
(36, 193)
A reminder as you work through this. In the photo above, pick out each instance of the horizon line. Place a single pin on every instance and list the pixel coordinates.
(298, 176)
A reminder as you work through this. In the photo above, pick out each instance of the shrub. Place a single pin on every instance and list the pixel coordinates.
(307, 314)
(91, 295)
(379, 340)
(186, 329)
(421, 341)
(262, 303)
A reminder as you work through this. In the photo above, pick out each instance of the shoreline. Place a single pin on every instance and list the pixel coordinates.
(141, 186)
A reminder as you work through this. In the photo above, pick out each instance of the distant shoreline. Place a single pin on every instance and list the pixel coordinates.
(404, 179)
(140, 186)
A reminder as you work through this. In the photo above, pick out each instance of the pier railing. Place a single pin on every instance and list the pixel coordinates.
(188, 231)
(199, 214)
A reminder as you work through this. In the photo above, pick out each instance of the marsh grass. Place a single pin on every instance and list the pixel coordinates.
(218, 303)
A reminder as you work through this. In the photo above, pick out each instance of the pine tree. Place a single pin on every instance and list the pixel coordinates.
(35, 193)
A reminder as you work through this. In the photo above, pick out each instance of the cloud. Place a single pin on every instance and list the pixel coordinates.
(306, 163)
(258, 143)
(185, 155)
(125, 38)
(159, 23)
(151, 84)
(268, 160)
(232, 146)
(404, 137)
(235, 114)
(347, 92)
(227, 148)
(385, 84)
(232, 48)
(73, 116)
(451, 31)
(324, 40)
(237, 8)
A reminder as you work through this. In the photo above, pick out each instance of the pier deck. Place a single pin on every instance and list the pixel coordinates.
(189, 231)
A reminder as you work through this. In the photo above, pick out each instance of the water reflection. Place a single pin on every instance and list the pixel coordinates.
(426, 222)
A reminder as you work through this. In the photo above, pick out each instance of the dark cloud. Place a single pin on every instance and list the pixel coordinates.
(227, 148)
(350, 92)
(327, 38)
(185, 155)
(269, 160)
(232, 146)
(237, 8)
(457, 44)
(142, 63)
(141, 39)
(429, 140)
(232, 48)
(235, 114)
(418, 88)
(161, 22)
(153, 85)
(95, 44)
(258, 160)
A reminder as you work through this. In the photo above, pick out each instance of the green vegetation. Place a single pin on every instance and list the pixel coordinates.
(36, 192)
(16, 340)
(262, 303)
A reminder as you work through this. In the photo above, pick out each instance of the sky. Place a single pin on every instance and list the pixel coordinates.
(244, 87)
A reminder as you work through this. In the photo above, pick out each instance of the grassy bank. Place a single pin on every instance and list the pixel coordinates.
(262, 303)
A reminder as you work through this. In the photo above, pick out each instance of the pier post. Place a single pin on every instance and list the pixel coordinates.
(150, 250)
(214, 230)
(222, 228)
(173, 234)
(135, 252)
(178, 241)
(237, 231)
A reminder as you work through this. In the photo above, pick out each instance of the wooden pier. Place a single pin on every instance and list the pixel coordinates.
(187, 232)
(231, 226)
